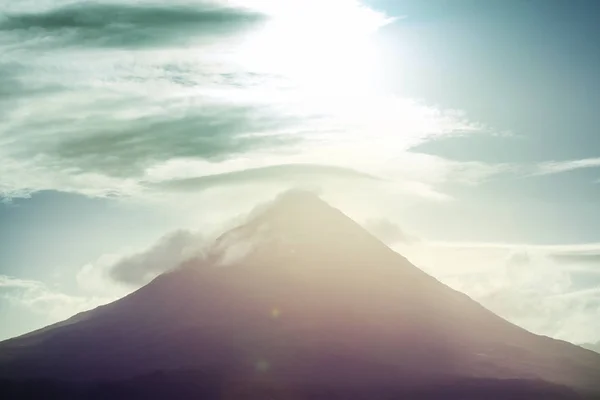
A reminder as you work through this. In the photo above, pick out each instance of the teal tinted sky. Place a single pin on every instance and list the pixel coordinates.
(463, 132)
(526, 67)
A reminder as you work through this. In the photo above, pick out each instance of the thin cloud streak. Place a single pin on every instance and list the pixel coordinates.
(124, 25)
(275, 173)
(36, 297)
(558, 167)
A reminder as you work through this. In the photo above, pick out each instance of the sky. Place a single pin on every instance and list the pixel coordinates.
(462, 133)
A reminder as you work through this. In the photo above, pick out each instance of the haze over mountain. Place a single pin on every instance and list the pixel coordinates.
(301, 297)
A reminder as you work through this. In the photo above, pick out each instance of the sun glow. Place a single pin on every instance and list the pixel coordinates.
(320, 62)
(316, 45)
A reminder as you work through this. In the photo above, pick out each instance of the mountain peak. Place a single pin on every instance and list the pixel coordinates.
(297, 202)
(297, 195)
(299, 295)
(297, 222)
(302, 214)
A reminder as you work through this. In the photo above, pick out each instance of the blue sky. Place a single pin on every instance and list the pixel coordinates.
(133, 132)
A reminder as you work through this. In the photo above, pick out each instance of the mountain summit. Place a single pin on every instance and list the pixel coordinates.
(302, 302)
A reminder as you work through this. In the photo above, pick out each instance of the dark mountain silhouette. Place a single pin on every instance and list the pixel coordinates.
(298, 303)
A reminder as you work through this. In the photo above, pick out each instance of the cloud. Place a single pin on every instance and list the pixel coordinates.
(125, 24)
(112, 155)
(169, 252)
(11, 283)
(526, 284)
(10, 83)
(234, 246)
(38, 298)
(206, 84)
(582, 257)
(557, 167)
(118, 273)
(213, 133)
(15, 89)
(296, 173)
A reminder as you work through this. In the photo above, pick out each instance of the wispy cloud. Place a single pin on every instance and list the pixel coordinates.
(119, 273)
(203, 83)
(36, 297)
(298, 173)
(124, 24)
(557, 167)
(536, 287)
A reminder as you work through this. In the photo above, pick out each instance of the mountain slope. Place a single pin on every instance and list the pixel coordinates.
(592, 346)
(299, 295)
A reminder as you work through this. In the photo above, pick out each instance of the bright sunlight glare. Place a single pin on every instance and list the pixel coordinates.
(316, 45)
(323, 63)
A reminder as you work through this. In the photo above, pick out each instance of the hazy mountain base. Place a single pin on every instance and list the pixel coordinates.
(208, 386)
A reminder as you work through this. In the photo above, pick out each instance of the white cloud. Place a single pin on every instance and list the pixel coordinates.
(11, 283)
(529, 285)
(120, 273)
(234, 247)
(557, 167)
(40, 299)
(100, 121)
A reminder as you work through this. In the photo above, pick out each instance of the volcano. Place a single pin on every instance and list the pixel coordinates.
(300, 302)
